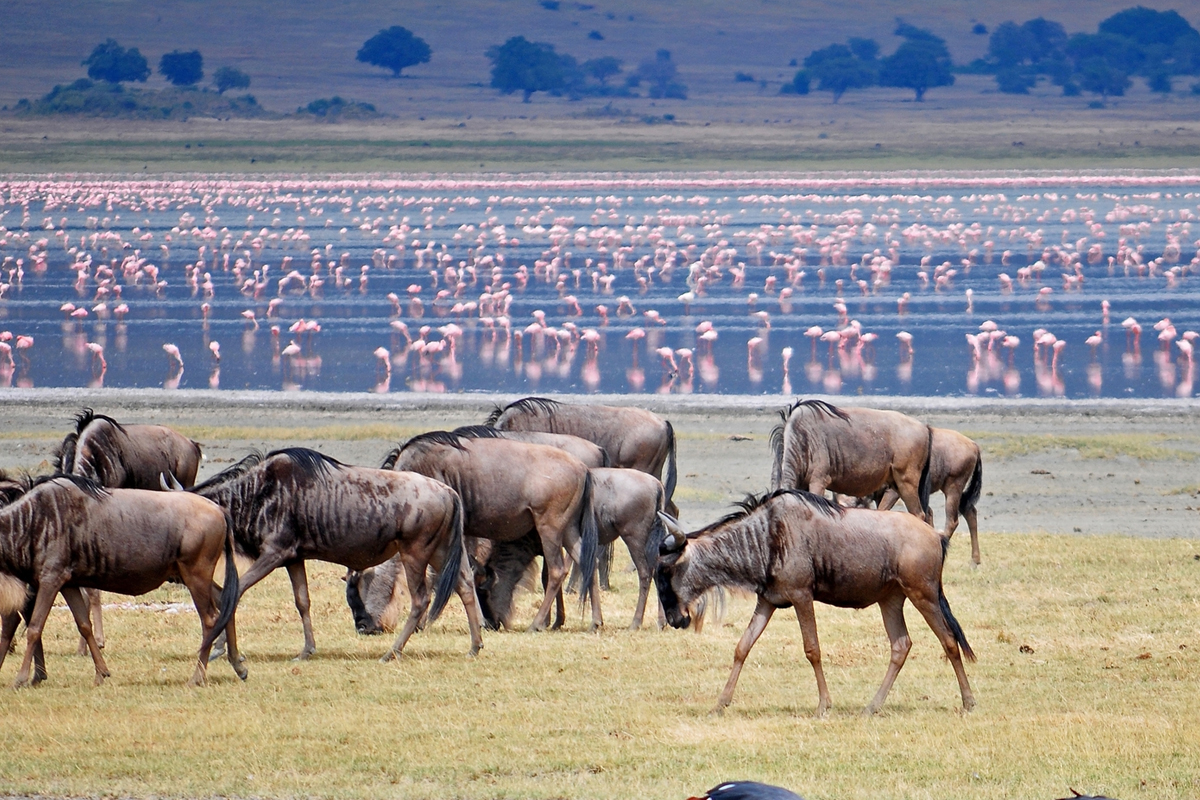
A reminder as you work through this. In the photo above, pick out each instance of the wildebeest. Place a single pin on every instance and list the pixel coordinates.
(955, 470)
(853, 451)
(792, 548)
(296, 504)
(626, 503)
(633, 438)
(510, 488)
(66, 532)
(123, 457)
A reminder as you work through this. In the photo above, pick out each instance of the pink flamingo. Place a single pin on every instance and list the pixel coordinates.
(1094, 341)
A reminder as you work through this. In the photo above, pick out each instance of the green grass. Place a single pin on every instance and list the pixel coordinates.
(1105, 702)
(1144, 447)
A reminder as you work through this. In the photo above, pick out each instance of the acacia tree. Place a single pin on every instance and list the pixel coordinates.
(520, 65)
(920, 64)
(227, 78)
(394, 48)
(182, 69)
(837, 68)
(113, 63)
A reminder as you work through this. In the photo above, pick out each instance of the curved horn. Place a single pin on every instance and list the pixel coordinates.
(671, 523)
(674, 543)
(173, 486)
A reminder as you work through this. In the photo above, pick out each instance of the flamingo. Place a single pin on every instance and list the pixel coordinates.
(173, 354)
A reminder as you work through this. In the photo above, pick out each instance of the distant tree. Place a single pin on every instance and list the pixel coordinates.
(1147, 26)
(602, 68)
(863, 49)
(394, 48)
(840, 67)
(113, 63)
(918, 64)
(660, 73)
(227, 78)
(1160, 82)
(979, 29)
(182, 69)
(1046, 38)
(1118, 53)
(1009, 45)
(596, 36)
(801, 82)
(1100, 77)
(520, 65)
(915, 34)
(1014, 81)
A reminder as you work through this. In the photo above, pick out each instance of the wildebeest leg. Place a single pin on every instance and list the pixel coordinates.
(907, 487)
(812, 647)
(560, 609)
(92, 596)
(33, 633)
(8, 632)
(556, 572)
(470, 601)
(888, 500)
(758, 623)
(418, 593)
(264, 566)
(932, 613)
(970, 517)
(79, 609)
(644, 578)
(235, 658)
(576, 550)
(892, 608)
(299, 578)
(953, 498)
(200, 588)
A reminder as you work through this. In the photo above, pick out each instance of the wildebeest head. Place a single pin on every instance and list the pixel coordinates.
(369, 594)
(669, 554)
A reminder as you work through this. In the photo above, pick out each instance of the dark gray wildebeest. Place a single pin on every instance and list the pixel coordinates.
(792, 548)
(852, 451)
(67, 532)
(626, 503)
(123, 457)
(296, 504)
(955, 470)
(633, 438)
(510, 489)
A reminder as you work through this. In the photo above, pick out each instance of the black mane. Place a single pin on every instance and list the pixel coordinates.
(532, 405)
(753, 502)
(818, 405)
(87, 417)
(93, 489)
(477, 432)
(231, 473)
(310, 462)
(444, 438)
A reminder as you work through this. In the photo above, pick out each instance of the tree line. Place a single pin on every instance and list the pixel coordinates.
(111, 62)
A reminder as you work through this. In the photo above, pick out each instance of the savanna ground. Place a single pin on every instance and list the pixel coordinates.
(1088, 646)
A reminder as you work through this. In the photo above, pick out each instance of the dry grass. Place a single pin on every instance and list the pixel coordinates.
(1142, 446)
(1105, 701)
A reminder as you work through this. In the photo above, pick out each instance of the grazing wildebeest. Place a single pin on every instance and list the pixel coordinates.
(633, 438)
(792, 548)
(853, 451)
(66, 532)
(955, 470)
(296, 504)
(510, 488)
(123, 457)
(626, 503)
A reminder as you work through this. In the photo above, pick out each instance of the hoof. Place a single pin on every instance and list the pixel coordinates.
(216, 653)
(303, 655)
(242, 672)
(968, 706)
(390, 655)
(718, 711)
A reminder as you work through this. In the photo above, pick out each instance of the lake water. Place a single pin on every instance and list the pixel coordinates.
(474, 262)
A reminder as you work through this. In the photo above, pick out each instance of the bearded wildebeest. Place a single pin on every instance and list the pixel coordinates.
(790, 548)
(955, 470)
(66, 532)
(123, 457)
(626, 503)
(510, 488)
(296, 504)
(853, 451)
(633, 438)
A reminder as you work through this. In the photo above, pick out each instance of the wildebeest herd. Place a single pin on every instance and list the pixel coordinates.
(469, 511)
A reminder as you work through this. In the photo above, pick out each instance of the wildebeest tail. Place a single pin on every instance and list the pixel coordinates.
(975, 487)
(777, 454)
(672, 473)
(389, 461)
(229, 592)
(944, 605)
(658, 532)
(447, 578)
(589, 545)
(604, 563)
(923, 488)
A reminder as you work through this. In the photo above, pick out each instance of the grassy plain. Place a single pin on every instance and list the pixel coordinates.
(1087, 646)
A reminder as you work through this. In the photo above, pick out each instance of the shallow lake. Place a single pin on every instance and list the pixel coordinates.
(606, 283)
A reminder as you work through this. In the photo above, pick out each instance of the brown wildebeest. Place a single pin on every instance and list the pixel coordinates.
(511, 488)
(854, 451)
(626, 503)
(296, 504)
(68, 532)
(633, 438)
(791, 548)
(955, 470)
(123, 457)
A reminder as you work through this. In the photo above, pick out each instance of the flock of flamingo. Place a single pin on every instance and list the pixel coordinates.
(577, 281)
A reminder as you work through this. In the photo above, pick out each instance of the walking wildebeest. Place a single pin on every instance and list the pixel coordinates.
(955, 470)
(123, 457)
(854, 451)
(66, 532)
(633, 438)
(297, 504)
(626, 503)
(510, 488)
(792, 547)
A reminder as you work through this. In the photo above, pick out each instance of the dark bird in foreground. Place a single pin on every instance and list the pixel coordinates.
(1077, 796)
(747, 790)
